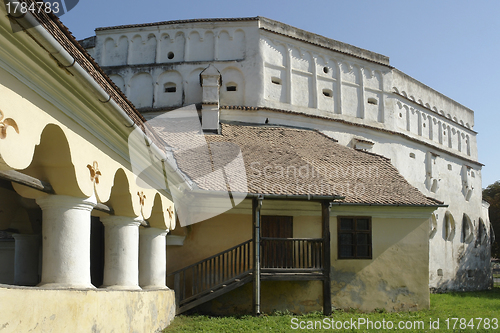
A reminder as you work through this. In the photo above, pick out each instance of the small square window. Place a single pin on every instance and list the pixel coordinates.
(354, 238)
(170, 87)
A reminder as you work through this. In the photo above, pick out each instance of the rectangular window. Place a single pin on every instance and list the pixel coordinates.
(354, 237)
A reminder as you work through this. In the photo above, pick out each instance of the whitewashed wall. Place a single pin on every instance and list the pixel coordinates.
(160, 67)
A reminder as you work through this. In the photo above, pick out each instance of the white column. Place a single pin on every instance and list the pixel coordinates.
(152, 258)
(121, 252)
(26, 259)
(66, 241)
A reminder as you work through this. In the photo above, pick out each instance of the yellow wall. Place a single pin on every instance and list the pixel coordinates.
(293, 296)
(307, 226)
(84, 310)
(396, 278)
(208, 238)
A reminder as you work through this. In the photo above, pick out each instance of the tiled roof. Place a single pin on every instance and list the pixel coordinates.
(288, 161)
(60, 32)
(340, 120)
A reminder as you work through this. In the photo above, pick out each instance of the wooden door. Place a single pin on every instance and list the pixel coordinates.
(277, 253)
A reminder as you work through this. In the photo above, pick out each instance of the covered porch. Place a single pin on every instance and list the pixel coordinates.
(272, 254)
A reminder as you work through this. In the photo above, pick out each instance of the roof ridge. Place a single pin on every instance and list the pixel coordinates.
(152, 24)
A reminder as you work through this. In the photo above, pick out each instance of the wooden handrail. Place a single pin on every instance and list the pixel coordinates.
(212, 273)
(292, 253)
(234, 266)
(209, 258)
(292, 239)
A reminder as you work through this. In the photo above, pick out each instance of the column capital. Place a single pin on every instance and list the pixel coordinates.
(56, 201)
(116, 221)
(153, 232)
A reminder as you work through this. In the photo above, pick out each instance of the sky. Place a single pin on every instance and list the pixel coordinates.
(451, 46)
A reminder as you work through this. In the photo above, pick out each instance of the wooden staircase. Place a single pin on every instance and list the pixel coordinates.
(281, 259)
(214, 276)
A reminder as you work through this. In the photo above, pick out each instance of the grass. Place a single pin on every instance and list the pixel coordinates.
(468, 305)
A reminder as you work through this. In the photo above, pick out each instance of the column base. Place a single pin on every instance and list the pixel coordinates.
(65, 286)
(155, 288)
(117, 287)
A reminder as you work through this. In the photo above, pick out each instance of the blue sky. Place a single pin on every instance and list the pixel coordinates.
(451, 46)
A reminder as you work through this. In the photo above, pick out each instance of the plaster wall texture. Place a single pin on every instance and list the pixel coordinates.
(397, 278)
(284, 76)
(294, 296)
(85, 310)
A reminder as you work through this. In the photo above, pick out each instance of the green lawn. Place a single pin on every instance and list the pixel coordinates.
(467, 305)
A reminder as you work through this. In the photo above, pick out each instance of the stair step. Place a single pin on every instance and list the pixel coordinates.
(213, 293)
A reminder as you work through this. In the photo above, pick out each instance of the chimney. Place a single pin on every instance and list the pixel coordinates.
(210, 83)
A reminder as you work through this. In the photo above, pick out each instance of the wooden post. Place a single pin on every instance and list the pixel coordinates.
(327, 291)
(256, 205)
(177, 290)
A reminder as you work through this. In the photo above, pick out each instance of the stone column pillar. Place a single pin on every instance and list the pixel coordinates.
(26, 259)
(121, 252)
(152, 258)
(66, 241)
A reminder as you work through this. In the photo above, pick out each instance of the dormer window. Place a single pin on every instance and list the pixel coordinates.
(361, 144)
(170, 87)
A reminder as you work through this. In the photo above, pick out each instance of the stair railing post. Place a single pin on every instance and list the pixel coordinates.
(256, 207)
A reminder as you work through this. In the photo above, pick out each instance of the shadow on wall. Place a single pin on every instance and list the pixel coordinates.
(473, 272)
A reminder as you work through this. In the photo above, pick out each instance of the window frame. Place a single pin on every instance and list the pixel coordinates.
(354, 232)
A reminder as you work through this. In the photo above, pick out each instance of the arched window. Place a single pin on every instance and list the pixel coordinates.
(449, 224)
(481, 233)
(467, 229)
(432, 225)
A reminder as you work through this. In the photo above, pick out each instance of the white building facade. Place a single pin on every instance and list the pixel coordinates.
(275, 74)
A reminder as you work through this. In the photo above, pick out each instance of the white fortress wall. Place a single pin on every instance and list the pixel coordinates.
(318, 81)
(159, 66)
